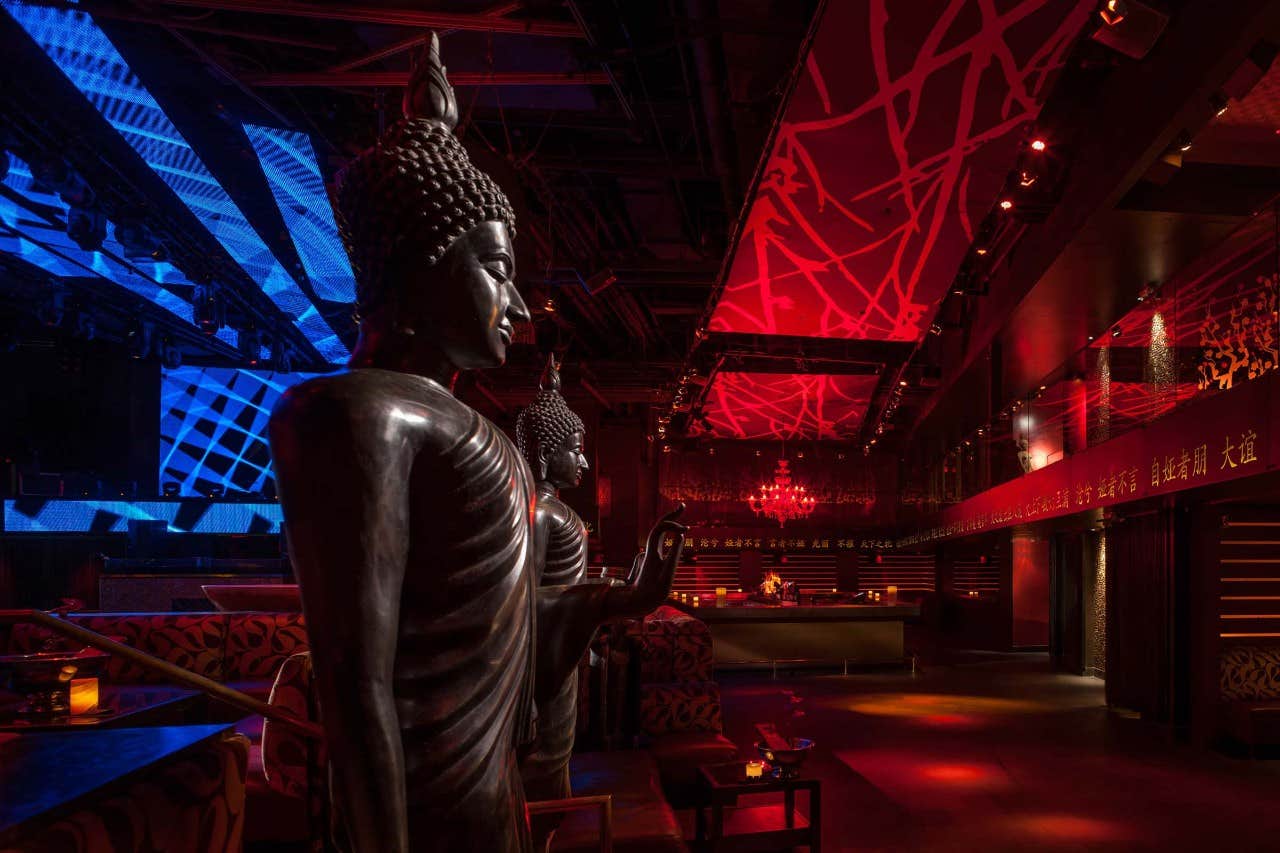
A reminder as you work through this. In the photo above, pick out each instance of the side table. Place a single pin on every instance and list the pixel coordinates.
(756, 827)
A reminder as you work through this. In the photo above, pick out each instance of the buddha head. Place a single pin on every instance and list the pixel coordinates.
(550, 435)
(430, 236)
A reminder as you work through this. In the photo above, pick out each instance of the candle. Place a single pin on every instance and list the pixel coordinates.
(877, 596)
(84, 695)
(684, 596)
(722, 596)
(755, 769)
(833, 589)
(695, 601)
(892, 592)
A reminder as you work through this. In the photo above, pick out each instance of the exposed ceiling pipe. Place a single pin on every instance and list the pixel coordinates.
(372, 14)
(708, 60)
(390, 79)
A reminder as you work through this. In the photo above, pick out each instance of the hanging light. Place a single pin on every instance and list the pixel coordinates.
(783, 500)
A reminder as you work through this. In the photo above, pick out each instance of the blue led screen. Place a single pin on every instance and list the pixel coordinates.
(46, 245)
(52, 515)
(293, 173)
(92, 63)
(213, 427)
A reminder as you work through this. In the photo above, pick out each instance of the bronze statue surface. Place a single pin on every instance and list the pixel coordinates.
(551, 437)
(408, 515)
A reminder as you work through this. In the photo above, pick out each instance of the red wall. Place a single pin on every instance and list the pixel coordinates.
(1030, 591)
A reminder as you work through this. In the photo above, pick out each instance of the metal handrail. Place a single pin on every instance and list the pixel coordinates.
(170, 671)
(604, 802)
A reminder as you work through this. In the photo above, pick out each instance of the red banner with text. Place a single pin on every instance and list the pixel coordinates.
(1218, 438)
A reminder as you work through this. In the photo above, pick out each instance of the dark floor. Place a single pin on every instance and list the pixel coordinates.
(1002, 754)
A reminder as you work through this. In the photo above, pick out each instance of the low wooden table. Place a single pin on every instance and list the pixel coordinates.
(754, 828)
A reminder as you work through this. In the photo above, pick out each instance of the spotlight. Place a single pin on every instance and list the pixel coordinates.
(1026, 178)
(208, 311)
(1038, 144)
(935, 329)
(1219, 103)
(1006, 204)
(1113, 12)
(249, 344)
(87, 227)
(170, 355)
(281, 357)
(1183, 141)
(138, 340)
(902, 383)
(1116, 332)
(549, 305)
(138, 242)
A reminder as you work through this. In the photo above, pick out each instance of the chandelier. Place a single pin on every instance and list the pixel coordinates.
(784, 500)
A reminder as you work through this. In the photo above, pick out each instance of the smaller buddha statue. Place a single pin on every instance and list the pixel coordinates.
(551, 438)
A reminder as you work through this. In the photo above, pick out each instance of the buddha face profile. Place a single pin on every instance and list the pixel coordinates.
(564, 465)
(466, 303)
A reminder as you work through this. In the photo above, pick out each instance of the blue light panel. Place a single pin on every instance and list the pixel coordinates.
(91, 62)
(289, 162)
(41, 515)
(47, 246)
(213, 423)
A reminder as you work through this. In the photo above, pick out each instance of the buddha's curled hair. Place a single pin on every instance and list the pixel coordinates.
(417, 184)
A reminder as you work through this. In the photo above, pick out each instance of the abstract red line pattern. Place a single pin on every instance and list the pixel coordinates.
(780, 406)
(897, 140)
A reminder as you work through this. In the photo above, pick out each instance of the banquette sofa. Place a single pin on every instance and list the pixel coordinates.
(650, 687)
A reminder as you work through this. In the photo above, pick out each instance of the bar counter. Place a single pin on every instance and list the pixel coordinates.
(751, 635)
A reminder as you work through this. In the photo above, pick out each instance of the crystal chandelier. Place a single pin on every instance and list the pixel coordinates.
(784, 500)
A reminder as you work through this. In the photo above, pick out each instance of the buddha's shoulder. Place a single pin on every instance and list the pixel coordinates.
(373, 405)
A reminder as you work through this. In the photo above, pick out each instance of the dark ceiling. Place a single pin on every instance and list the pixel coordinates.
(625, 133)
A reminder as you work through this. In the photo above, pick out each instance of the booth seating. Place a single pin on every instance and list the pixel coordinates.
(242, 650)
(659, 676)
(676, 712)
(1249, 687)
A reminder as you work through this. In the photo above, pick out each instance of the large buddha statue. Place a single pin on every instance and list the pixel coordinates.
(408, 514)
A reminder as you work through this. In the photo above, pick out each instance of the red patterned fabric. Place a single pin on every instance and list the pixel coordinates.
(672, 646)
(192, 641)
(194, 804)
(257, 643)
(288, 757)
(686, 706)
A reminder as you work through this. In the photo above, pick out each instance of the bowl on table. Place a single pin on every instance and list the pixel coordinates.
(786, 762)
(273, 597)
(43, 679)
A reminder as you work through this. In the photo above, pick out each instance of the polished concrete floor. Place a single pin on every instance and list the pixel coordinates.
(1001, 754)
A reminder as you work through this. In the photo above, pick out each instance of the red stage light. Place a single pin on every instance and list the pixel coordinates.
(1038, 144)
(1006, 204)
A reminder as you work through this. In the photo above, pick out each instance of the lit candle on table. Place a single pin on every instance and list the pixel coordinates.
(755, 769)
(84, 695)
(695, 601)
(892, 593)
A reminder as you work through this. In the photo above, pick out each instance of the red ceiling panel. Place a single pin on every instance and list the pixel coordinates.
(892, 148)
(783, 406)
